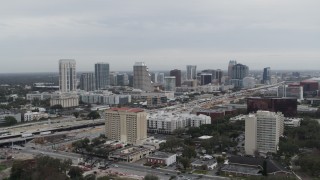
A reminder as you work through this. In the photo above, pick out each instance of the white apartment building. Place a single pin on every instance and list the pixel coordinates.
(34, 116)
(104, 97)
(67, 75)
(162, 122)
(262, 132)
(65, 100)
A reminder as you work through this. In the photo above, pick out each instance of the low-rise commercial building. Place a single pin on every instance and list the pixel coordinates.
(66, 100)
(6, 113)
(34, 116)
(211, 164)
(130, 154)
(104, 97)
(162, 158)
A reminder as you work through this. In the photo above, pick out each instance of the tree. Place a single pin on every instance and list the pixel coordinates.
(151, 177)
(75, 173)
(94, 115)
(185, 162)
(57, 106)
(179, 132)
(76, 114)
(189, 152)
(42, 167)
(10, 120)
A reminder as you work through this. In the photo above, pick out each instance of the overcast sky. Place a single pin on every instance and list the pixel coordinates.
(166, 34)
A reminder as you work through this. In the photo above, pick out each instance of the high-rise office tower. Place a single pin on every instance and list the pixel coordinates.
(191, 72)
(239, 71)
(102, 75)
(141, 77)
(176, 73)
(206, 78)
(122, 79)
(230, 66)
(210, 71)
(154, 77)
(170, 83)
(266, 76)
(262, 132)
(67, 75)
(87, 82)
(219, 74)
(126, 125)
(160, 78)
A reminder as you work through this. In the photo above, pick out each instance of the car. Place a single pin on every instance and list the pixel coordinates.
(167, 174)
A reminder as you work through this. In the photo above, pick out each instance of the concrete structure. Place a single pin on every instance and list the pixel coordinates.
(287, 106)
(67, 75)
(102, 75)
(191, 72)
(248, 82)
(262, 132)
(160, 78)
(34, 116)
(104, 97)
(170, 83)
(290, 91)
(292, 122)
(205, 78)
(162, 158)
(141, 77)
(252, 166)
(211, 164)
(239, 71)
(130, 154)
(176, 73)
(122, 79)
(126, 125)
(87, 82)
(230, 66)
(166, 123)
(266, 77)
(66, 100)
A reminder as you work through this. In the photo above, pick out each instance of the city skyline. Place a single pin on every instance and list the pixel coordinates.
(209, 34)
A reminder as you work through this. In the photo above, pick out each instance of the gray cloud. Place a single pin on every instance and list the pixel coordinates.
(283, 34)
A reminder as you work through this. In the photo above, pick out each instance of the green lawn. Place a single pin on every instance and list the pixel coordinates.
(200, 172)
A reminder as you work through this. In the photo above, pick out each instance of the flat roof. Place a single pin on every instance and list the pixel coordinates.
(134, 110)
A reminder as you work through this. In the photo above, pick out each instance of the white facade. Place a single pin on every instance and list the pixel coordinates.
(67, 75)
(65, 100)
(292, 122)
(167, 122)
(191, 72)
(104, 97)
(34, 116)
(262, 132)
(141, 77)
(249, 82)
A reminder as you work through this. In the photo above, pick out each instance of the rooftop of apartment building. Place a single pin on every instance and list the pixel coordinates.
(123, 109)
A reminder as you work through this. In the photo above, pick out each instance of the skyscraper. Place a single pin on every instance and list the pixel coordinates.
(231, 64)
(239, 71)
(87, 82)
(262, 132)
(206, 78)
(67, 75)
(266, 76)
(176, 73)
(170, 83)
(102, 75)
(191, 72)
(126, 125)
(218, 76)
(141, 77)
